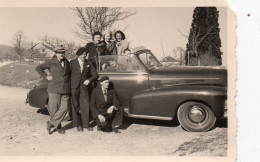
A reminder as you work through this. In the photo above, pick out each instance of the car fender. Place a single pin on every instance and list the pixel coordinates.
(140, 103)
(165, 101)
(38, 97)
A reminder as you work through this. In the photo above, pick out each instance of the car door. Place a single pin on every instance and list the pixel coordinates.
(129, 79)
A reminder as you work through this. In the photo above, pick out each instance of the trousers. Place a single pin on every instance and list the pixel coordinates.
(58, 107)
(115, 119)
(80, 108)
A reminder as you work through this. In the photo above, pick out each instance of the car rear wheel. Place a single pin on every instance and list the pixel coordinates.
(196, 117)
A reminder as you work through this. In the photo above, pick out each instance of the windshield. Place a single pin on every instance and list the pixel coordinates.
(149, 60)
(119, 64)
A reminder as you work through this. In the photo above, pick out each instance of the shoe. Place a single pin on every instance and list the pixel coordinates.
(61, 131)
(98, 128)
(114, 129)
(79, 129)
(49, 127)
(89, 128)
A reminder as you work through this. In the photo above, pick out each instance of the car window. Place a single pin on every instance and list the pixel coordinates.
(148, 60)
(115, 63)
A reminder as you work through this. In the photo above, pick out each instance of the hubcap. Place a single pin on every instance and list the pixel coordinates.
(196, 114)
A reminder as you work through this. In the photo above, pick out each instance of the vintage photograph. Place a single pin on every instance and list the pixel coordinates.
(114, 81)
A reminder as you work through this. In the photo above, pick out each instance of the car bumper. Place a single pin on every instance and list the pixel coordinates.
(225, 115)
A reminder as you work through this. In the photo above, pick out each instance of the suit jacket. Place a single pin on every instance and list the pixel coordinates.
(77, 78)
(96, 50)
(98, 105)
(60, 82)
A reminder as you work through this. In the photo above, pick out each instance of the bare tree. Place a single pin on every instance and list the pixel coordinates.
(196, 38)
(19, 44)
(179, 54)
(196, 41)
(51, 42)
(98, 19)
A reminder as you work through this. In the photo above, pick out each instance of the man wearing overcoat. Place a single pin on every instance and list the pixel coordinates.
(105, 107)
(58, 87)
(82, 74)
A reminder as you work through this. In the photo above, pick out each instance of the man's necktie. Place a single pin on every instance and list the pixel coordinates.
(105, 95)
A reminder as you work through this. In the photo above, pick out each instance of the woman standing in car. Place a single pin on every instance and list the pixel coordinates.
(96, 48)
(121, 43)
(110, 45)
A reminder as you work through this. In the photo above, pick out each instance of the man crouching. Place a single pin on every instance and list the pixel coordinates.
(105, 107)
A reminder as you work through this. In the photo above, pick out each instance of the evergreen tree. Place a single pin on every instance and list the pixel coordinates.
(203, 47)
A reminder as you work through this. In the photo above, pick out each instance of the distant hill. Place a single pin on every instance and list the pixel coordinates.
(7, 52)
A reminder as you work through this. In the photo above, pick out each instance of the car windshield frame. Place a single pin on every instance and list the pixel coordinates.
(155, 60)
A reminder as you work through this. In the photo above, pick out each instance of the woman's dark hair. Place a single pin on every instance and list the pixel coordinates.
(122, 34)
(80, 51)
(96, 33)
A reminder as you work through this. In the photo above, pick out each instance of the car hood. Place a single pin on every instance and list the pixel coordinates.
(176, 75)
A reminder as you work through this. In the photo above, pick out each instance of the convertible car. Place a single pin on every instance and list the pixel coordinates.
(196, 96)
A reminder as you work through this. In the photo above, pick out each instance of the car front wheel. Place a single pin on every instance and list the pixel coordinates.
(196, 117)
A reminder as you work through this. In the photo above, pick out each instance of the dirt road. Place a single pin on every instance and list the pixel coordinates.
(5, 63)
(23, 132)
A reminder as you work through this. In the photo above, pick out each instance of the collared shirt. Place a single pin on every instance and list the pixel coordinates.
(61, 62)
(81, 64)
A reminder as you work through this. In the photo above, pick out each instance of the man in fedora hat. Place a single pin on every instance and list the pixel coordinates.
(58, 87)
(105, 107)
(82, 74)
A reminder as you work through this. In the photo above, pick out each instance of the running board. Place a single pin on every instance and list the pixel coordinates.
(149, 117)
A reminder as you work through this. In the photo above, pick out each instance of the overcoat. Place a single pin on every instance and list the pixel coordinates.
(94, 50)
(111, 47)
(60, 82)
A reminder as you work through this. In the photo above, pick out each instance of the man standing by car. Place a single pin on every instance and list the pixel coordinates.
(105, 107)
(58, 87)
(96, 48)
(82, 74)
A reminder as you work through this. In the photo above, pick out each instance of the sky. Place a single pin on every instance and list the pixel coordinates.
(154, 28)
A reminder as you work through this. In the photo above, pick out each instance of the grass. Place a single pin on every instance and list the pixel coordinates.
(19, 75)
